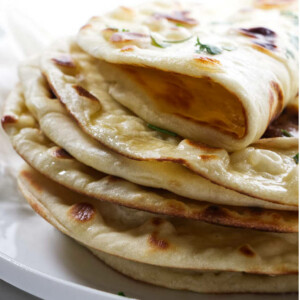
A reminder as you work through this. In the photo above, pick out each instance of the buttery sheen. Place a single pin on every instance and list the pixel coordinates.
(200, 100)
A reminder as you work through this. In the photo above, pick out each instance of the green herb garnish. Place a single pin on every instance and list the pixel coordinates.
(295, 41)
(157, 44)
(125, 30)
(179, 25)
(289, 53)
(210, 49)
(296, 158)
(291, 15)
(161, 130)
(121, 294)
(178, 41)
(229, 48)
(286, 133)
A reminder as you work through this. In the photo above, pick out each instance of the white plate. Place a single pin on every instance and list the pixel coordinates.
(33, 255)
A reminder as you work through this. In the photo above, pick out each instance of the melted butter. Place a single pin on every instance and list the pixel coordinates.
(200, 100)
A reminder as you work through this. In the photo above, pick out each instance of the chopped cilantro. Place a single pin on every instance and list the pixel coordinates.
(295, 41)
(163, 44)
(289, 53)
(296, 158)
(290, 14)
(121, 294)
(125, 30)
(157, 44)
(161, 130)
(178, 41)
(286, 133)
(179, 25)
(210, 49)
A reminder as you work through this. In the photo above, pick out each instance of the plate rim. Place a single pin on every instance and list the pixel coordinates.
(45, 286)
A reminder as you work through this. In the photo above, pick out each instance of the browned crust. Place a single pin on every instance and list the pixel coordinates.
(157, 221)
(82, 212)
(209, 157)
(8, 119)
(64, 60)
(121, 37)
(181, 17)
(263, 39)
(86, 26)
(127, 49)
(43, 212)
(271, 103)
(179, 161)
(157, 243)
(216, 215)
(215, 212)
(201, 146)
(51, 92)
(220, 217)
(84, 93)
(61, 153)
(246, 251)
(207, 60)
(262, 49)
(31, 181)
(280, 99)
(271, 4)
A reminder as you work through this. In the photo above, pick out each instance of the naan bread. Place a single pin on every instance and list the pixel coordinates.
(159, 241)
(70, 101)
(56, 124)
(57, 164)
(37, 190)
(217, 71)
(207, 282)
(267, 173)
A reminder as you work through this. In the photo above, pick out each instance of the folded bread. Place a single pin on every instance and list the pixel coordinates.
(216, 71)
(264, 170)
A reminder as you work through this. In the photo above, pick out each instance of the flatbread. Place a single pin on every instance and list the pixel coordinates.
(57, 164)
(208, 282)
(203, 282)
(58, 126)
(224, 91)
(156, 240)
(267, 173)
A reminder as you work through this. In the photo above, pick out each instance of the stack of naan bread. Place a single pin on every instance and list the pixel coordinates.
(164, 138)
